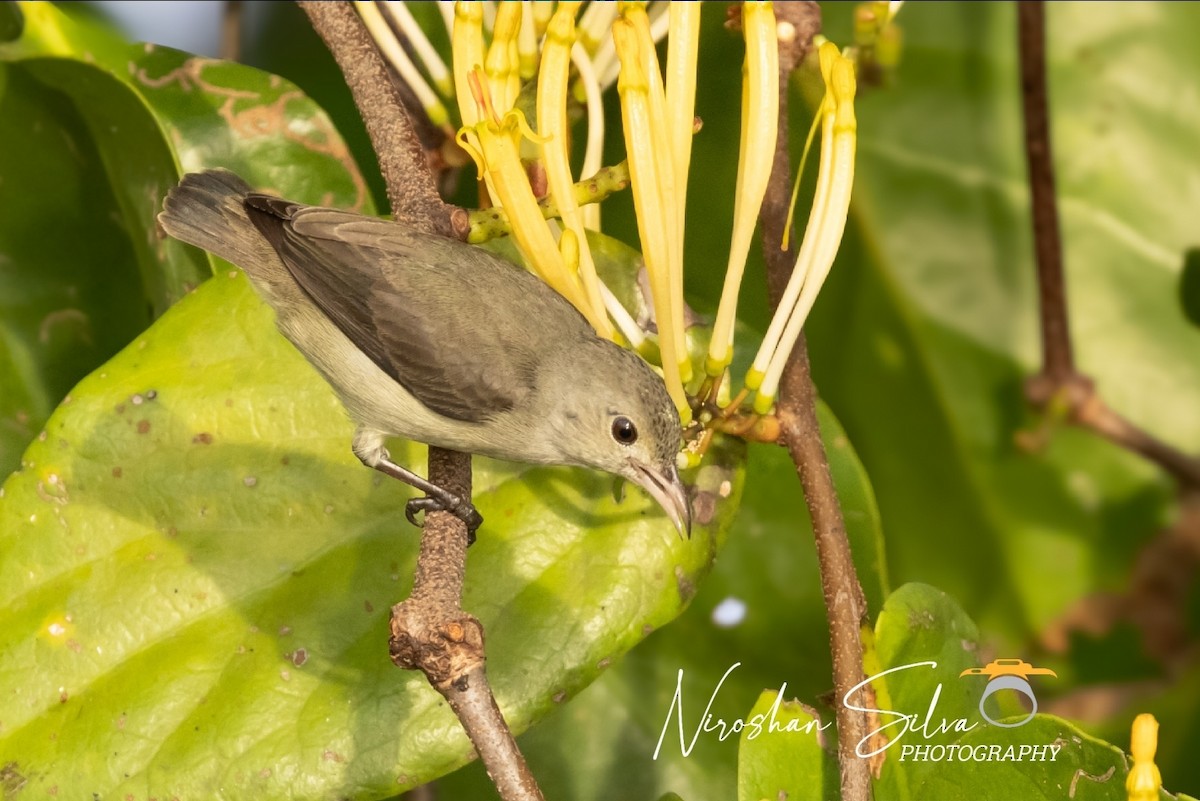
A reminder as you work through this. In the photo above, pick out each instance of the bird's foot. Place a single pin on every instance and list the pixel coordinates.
(461, 509)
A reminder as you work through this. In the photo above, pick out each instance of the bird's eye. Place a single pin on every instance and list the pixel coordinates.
(624, 431)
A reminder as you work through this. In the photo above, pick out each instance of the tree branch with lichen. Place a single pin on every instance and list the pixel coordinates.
(430, 630)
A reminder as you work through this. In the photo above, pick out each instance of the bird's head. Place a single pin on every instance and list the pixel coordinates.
(625, 423)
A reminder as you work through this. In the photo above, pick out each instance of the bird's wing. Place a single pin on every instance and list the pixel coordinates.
(422, 307)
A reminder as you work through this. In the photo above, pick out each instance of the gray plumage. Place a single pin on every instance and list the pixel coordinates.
(430, 339)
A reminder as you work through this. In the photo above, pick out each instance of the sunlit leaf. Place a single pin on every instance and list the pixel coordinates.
(96, 130)
(926, 641)
(196, 575)
(796, 761)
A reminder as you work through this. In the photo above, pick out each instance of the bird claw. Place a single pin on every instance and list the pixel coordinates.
(465, 512)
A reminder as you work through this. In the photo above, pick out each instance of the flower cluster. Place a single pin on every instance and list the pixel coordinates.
(566, 55)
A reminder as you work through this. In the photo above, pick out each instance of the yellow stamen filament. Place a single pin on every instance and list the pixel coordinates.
(660, 18)
(655, 223)
(439, 74)
(503, 61)
(489, 15)
(670, 191)
(553, 77)
(593, 152)
(623, 319)
(594, 24)
(527, 42)
(386, 40)
(542, 12)
(826, 223)
(808, 140)
(760, 121)
(446, 9)
(606, 63)
(468, 54)
(682, 54)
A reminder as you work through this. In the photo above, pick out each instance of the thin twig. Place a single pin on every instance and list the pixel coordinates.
(1057, 359)
(430, 631)
(1096, 415)
(1059, 381)
(845, 603)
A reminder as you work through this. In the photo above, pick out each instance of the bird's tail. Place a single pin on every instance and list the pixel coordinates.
(207, 210)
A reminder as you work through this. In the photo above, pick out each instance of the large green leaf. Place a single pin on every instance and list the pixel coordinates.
(785, 753)
(928, 737)
(196, 576)
(928, 326)
(96, 130)
(66, 264)
(931, 716)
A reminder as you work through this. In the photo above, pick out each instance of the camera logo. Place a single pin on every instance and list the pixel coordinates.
(1008, 674)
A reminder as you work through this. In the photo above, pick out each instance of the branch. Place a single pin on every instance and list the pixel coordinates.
(1057, 358)
(1059, 380)
(845, 604)
(430, 631)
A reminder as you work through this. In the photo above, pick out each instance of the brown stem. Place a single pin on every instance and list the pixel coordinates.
(1059, 381)
(1096, 415)
(430, 631)
(1058, 361)
(231, 29)
(845, 604)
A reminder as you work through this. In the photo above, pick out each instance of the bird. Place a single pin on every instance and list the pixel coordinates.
(430, 339)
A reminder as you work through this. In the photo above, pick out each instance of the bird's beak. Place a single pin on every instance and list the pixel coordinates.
(668, 490)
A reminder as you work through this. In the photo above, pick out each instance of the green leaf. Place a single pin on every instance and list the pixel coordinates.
(98, 130)
(933, 301)
(1084, 768)
(66, 264)
(196, 573)
(931, 716)
(796, 761)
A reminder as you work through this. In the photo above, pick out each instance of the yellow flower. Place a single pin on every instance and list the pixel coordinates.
(616, 42)
(552, 125)
(1144, 780)
(652, 180)
(492, 143)
(826, 224)
(760, 122)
